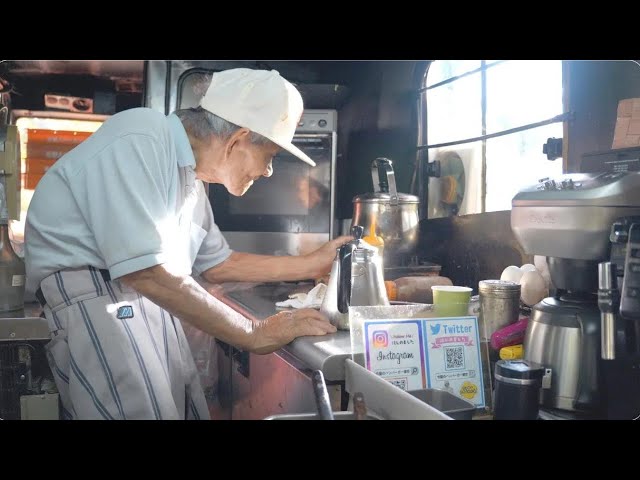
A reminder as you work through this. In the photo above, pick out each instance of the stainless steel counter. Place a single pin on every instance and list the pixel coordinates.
(326, 353)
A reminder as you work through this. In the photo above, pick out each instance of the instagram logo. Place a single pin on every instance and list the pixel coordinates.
(380, 339)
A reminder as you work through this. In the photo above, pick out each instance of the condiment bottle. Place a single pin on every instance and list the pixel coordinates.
(414, 289)
(514, 352)
(510, 335)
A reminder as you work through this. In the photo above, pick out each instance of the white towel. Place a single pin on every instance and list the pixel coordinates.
(313, 299)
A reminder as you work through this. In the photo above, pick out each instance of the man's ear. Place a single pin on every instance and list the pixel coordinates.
(236, 138)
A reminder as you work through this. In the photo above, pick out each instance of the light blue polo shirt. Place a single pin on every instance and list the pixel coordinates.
(125, 199)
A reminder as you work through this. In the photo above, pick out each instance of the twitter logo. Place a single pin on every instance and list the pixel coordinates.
(435, 329)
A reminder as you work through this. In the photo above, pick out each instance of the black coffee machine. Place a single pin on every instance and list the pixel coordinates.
(570, 220)
(619, 302)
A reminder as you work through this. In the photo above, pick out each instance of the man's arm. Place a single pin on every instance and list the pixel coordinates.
(184, 298)
(248, 267)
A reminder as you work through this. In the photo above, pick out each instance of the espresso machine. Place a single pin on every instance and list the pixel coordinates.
(619, 302)
(579, 221)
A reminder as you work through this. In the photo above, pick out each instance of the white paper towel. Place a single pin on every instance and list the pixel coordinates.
(313, 299)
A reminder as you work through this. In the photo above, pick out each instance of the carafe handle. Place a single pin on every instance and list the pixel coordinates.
(384, 183)
(344, 280)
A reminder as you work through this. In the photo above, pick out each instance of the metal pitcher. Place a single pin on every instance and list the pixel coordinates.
(356, 279)
(395, 214)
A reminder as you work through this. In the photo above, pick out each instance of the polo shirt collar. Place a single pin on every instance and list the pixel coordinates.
(183, 147)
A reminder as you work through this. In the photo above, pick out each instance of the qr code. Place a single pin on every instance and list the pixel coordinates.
(399, 382)
(454, 357)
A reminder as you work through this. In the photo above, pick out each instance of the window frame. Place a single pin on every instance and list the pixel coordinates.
(423, 145)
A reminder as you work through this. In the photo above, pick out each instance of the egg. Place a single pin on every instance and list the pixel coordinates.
(511, 274)
(527, 267)
(533, 287)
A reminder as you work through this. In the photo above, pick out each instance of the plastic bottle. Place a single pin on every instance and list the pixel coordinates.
(514, 352)
(414, 289)
(510, 335)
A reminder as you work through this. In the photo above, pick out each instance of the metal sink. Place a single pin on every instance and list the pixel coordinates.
(314, 416)
(384, 401)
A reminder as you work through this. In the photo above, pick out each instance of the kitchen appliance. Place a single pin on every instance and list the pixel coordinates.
(356, 279)
(10, 167)
(619, 303)
(568, 219)
(618, 160)
(71, 104)
(27, 388)
(394, 214)
(12, 268)
(291, 212)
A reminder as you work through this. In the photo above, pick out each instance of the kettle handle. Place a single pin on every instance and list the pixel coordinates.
(386, 184)
(344, 280)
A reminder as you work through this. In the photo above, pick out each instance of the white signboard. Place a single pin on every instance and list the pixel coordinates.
(439, 353)
(394, 351)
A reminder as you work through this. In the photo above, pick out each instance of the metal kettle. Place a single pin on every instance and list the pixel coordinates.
(394, 214)
(356, 279)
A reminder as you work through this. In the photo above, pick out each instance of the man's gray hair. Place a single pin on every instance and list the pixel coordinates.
(202, 124)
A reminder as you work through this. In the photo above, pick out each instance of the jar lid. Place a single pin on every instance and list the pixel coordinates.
(519, 369)
(498, 285)
(384, 198)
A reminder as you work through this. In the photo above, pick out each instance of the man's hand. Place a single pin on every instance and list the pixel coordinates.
(273, 332)
(321, 259)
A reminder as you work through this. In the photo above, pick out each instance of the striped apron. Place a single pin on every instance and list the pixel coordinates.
(115, 354)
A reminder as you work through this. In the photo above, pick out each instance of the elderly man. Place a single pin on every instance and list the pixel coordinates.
(119, 224)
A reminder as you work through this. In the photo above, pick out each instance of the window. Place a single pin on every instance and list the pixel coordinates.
(486, 123)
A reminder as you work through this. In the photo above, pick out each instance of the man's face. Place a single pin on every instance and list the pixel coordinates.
(247, 165)
(245, 162)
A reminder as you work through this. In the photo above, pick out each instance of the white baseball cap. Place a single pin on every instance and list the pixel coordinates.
(260, 100)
